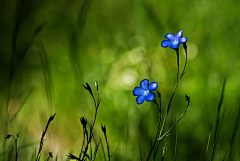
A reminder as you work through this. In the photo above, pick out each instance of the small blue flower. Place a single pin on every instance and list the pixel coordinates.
(174, 41)
(144, 92)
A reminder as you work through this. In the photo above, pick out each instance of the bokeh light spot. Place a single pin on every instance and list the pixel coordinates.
(136, 54)
(192, 51)
(129, 77)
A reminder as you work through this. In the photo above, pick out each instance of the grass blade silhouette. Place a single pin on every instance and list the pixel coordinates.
(215, 138)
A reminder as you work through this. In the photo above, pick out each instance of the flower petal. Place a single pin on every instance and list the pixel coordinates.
(165, 43)
(183, 40)
(140, 99)
(174, 46)
(138, 91)
(144, 84)
(150, 97)
(179, 34)
(153, 86)
(170, 36)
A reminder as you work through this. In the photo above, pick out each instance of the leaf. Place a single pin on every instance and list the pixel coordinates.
(71, 156)
(187, 98)
(159, 94)
(8, 136)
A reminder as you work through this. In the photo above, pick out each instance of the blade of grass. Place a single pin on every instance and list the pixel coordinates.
(153, 16)
(91, 150)
(113, 149)
(103, 151)
(15, 140)
(96, 149)
(215, 138)
(21, 147)
(212, 152)
(56, 157)
(46, 72)
(132, 154)
(225, 156)
(209, 137)
(234, 133)
(75, 33)
(175, 153)
(164, 151)
(43, 134)
(168, 132)
(140, 149)
(105, 135)
(16, 60)
(22, 104)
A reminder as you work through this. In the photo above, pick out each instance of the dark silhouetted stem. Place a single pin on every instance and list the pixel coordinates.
(158, 129)
(185, 48)
(44, 133)
(175, 155)
(218, 119)
(234, 133)
(16, 149)
(177, 52)
(169, 104)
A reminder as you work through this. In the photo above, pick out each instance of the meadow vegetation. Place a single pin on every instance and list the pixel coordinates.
(50, 49)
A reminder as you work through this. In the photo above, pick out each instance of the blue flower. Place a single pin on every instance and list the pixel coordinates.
(144, 92)
(174, 41)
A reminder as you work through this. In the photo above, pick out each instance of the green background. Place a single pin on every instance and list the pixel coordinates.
(48, 49)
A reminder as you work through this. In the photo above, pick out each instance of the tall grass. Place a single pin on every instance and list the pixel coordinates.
(95, 146)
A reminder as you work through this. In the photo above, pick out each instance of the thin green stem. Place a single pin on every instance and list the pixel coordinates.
(15, 140)
(212, 152)
(16, 149)
(175, 154)
(164, 151)
(155, 141)
(169, 104)
(108, 147)
(209, 137)
(92, 126)
(103, 151)
(170, 101)
(177, 52)
(82, 143)
(184, 68)
(167, 133)
(215, 137)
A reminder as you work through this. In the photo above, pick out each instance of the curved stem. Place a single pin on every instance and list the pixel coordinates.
(185, 48)
(170, 101)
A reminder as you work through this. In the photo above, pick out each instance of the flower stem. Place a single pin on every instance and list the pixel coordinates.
(158, 130)
(177, 52)
(175, 154)
(16, 149)
(178, 79)
(185, 48)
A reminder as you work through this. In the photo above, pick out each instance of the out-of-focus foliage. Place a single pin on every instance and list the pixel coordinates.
(48, 49)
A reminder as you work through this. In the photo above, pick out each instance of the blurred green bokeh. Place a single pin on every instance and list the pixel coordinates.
(48, 49)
